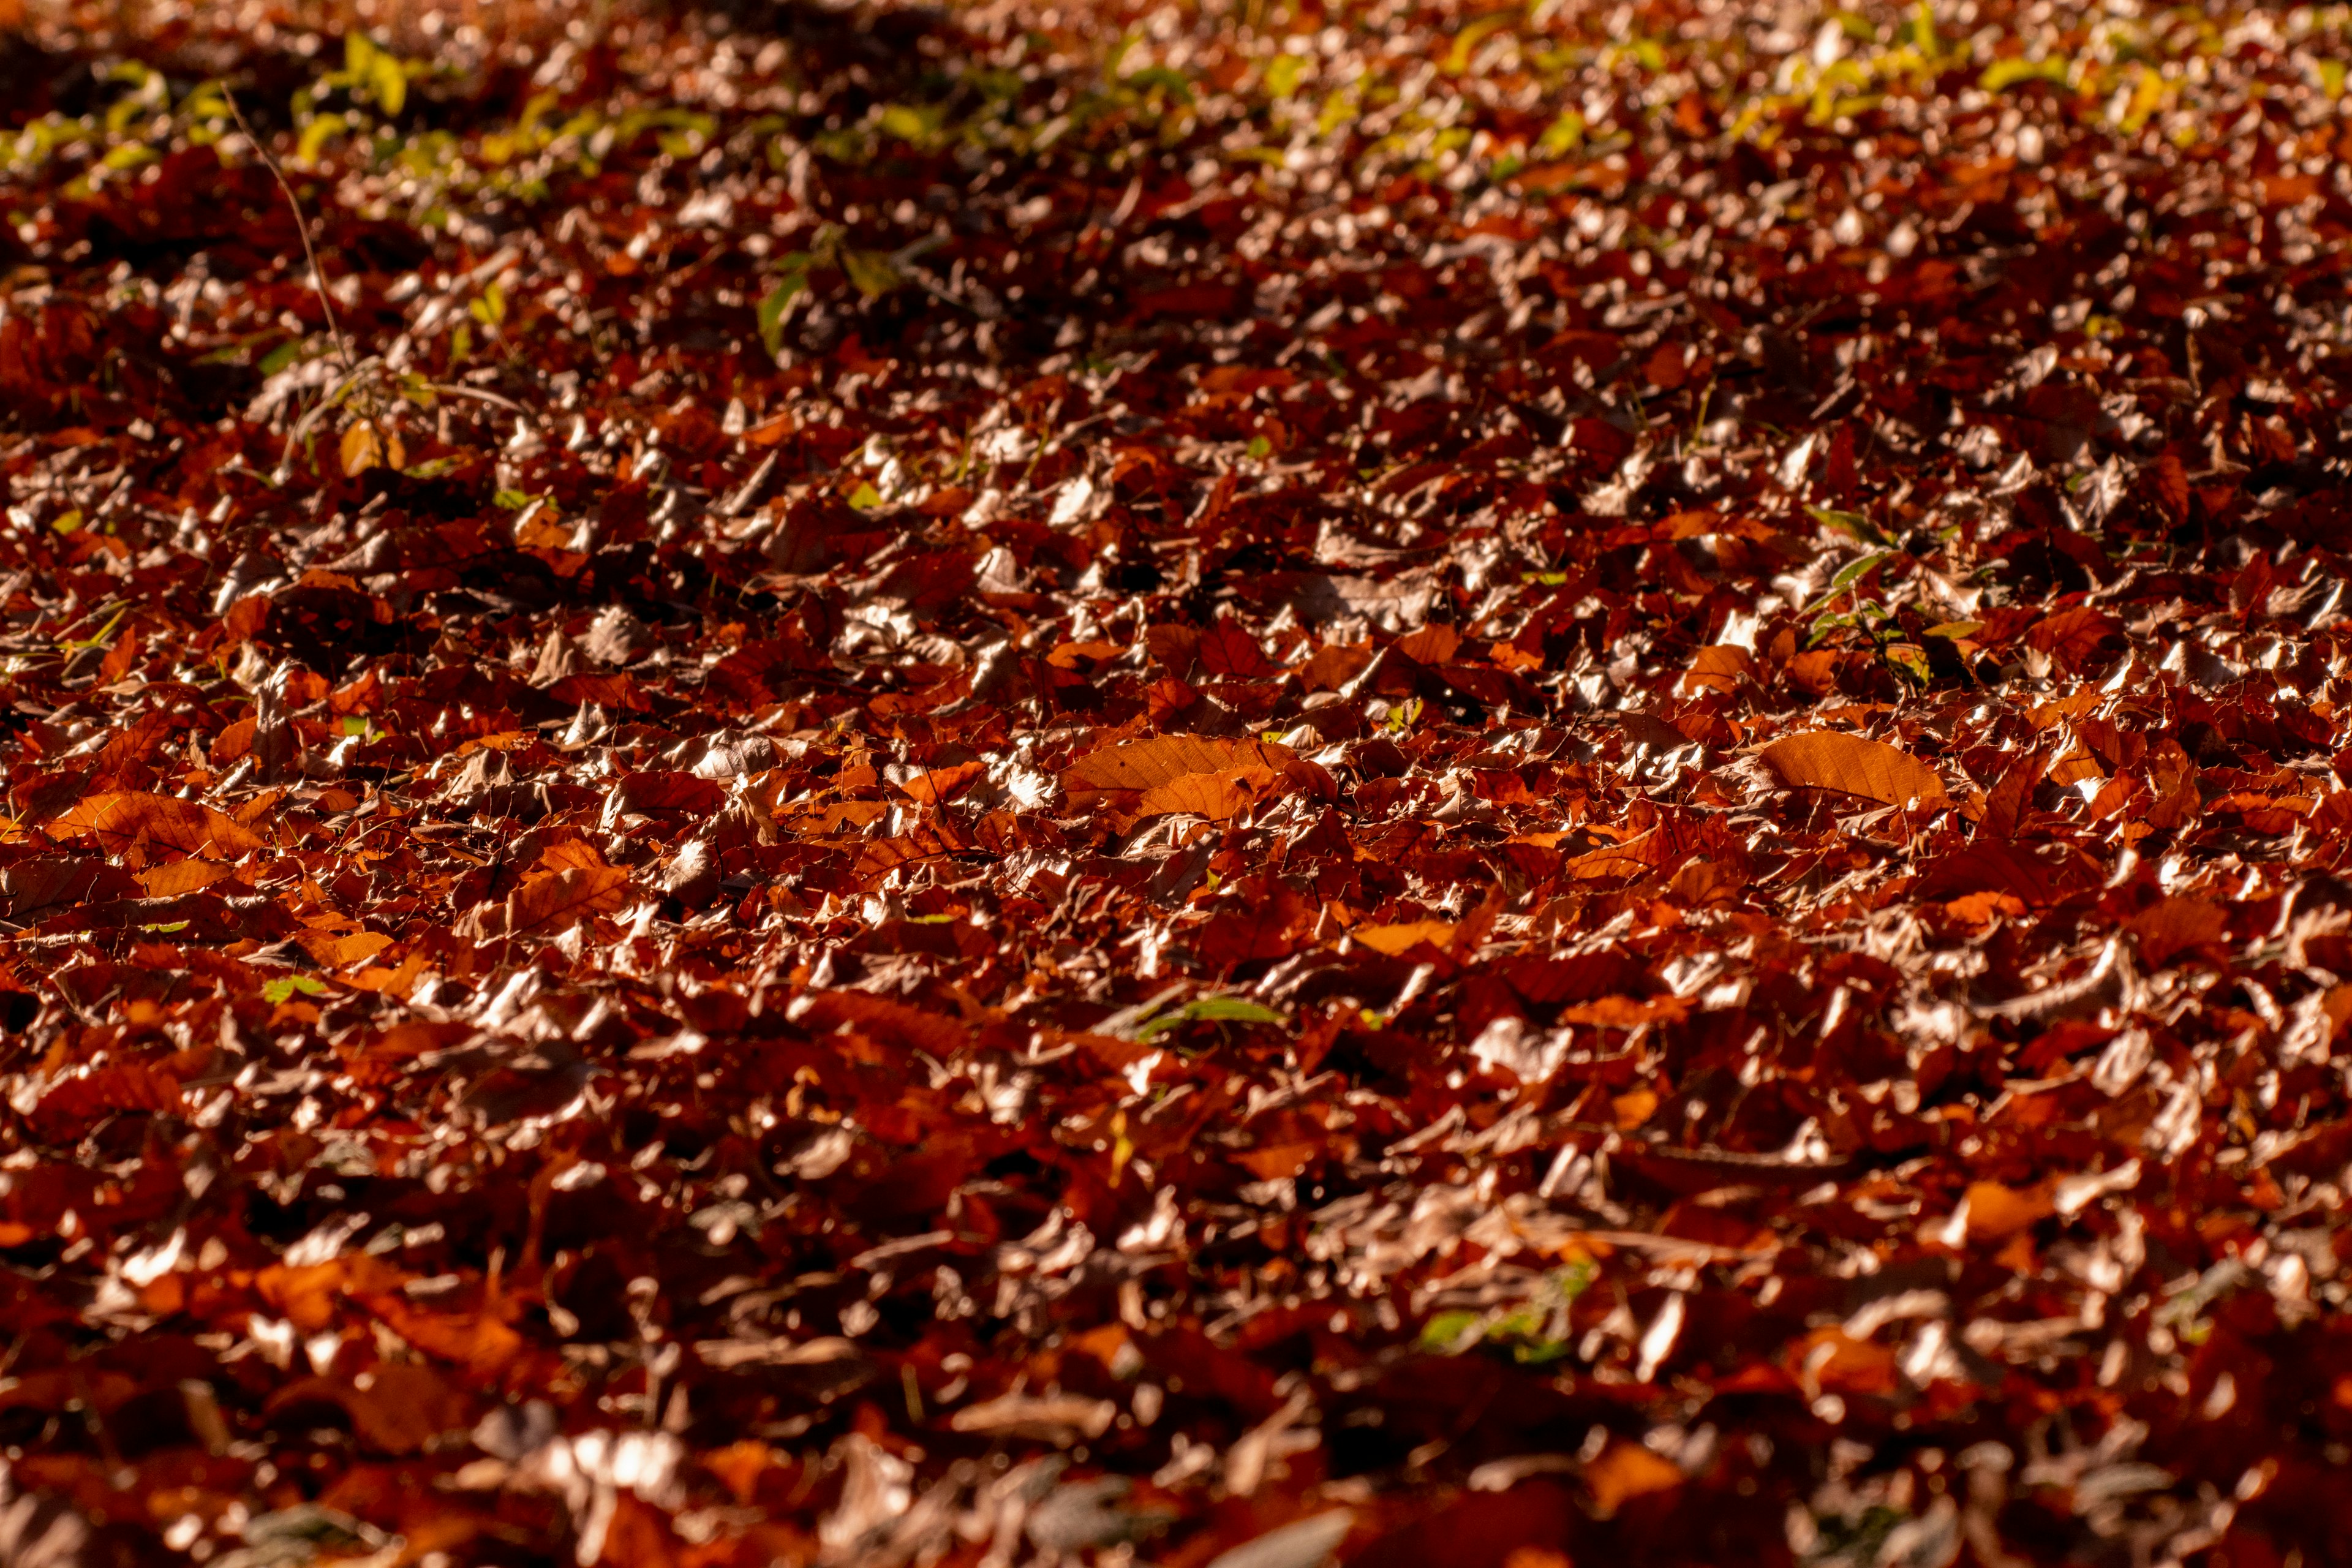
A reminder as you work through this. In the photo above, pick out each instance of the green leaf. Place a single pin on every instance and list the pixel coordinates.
(2002, 75)
(317, 134)
(1852, 522)
(1847, 576)
(1562, 136)
(1912, 661)
(916, 127)
(771, 310)
(1466, 42)
(1340, 108)
(278, 991)
(1209, 1010)
(1259, 447)
(870, 272)
(1282, 74)
(1921, 31)
(1162, 80)
(389, 83)
(864, 498)
(1449, 1333)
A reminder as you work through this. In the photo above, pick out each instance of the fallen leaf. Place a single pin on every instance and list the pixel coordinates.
(120, 819)
(1833, 760)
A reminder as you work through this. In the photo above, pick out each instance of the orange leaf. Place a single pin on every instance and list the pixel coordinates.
(1219, 796)
(1227, 649)
(1625, 1471)
(943, 783)
(1718, 668)
(182, 876)
(1395, 941)
(338, 952)
(572, 853)
(1278, 1160)
(1078, 656)
(1833, 760)
(1432, 644)
(118, 658)
(120, 819)
(1147, 765)
(1996, 1212)
(560, 897)
(2173, 925)
(1334, 665)
(836, 816)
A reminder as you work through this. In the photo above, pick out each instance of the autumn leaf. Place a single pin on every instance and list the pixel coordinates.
(943, 785)
(117, 820)
(1717, 669)
(1218, 797)
(1395, 941)
(1848, 765)
(1625, 1471)
(1147, 765)
(2173, 925)
(560, 897)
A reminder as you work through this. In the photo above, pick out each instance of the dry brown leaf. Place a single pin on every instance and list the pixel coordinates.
(120, 819)
(571, 854)
(179, 877)
(1147, 765)
(1398, 939)
(1834, 760)
(1625, 1471)
(1055, 1418)
(2173, 925)
(1219, 796)
(836, 816)
(560, 897)
(1718, 668)
(1995, 1212)
(337, 952)
(943, 783)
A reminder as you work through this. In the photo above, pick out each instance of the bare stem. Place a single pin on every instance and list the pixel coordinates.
(302, 226)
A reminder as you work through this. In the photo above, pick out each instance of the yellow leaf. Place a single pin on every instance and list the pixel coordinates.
(360, 451)
(1833, 760)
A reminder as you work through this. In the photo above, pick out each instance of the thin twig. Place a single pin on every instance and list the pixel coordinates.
(302, 226)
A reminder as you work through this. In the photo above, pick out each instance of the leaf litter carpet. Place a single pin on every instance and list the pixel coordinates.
(1250, 786)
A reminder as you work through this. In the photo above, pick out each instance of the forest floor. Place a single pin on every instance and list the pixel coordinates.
(1090, 784)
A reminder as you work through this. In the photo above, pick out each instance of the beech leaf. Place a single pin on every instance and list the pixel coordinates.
(1848, 765)
(122, 818)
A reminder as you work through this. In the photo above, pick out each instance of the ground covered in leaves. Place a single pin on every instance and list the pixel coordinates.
(1233, 785)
